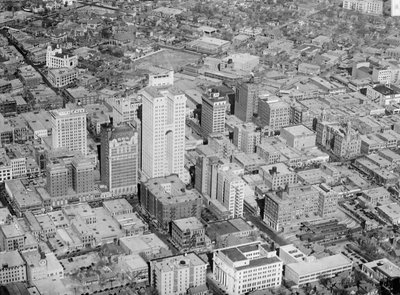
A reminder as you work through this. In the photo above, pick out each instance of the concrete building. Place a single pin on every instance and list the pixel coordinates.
(82, 175)
(69, 129)
(177, 274)
(290, 254)
(58, 179)
(246, 137)
(246, 101)
(166, 198)
(282, 208)
(206, 171)
(298, 137)
(56, 57)
(12, 268)
(164, 113)
(245, 268)
(221, 145)
(188, 234)
(149, 245)
(381, 269)
(62, 77)
(311, 268)
(274, 113)
(120, 158)
(124, 109)
(41, 266)
(390, 212)
(213, 112)
(364, 6)
(278, 175)
(230, 190)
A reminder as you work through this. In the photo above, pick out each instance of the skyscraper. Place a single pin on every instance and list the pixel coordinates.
(246, 103)
(69, 129)
(230, 190)
(163, 141)
(120, 158)
(213, 112)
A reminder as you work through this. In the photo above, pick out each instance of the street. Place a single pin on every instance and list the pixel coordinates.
(264, 228)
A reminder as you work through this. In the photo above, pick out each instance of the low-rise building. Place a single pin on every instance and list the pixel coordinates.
(311, 269)
(381, 269)
(175, 275)
(61, 77)
(188, 233)
(12, 268)
(390, 212)
(241, 269)
(278, 175)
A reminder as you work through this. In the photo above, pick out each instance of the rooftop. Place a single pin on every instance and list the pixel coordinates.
(10, 259)
(322, 264)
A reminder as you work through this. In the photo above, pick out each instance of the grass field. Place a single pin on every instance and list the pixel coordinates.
(168, 59)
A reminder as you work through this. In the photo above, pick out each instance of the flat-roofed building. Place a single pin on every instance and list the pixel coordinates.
(12, 268)
(62, 77)
(278, 175)
(364, 6)
(390, 212)
(166, 199)
(118, 207)
(381, 269)
(41, 266)
(175, 275)
(231, 232)
(149, 244)
(188, 233)
(275, 114)
(311, 269)
(290, 254)
(213, 112)
(241, 269)
(246, 137)
(298, 137)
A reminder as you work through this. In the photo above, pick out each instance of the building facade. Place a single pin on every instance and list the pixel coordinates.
(242, 269)
(213, 112)
(164, 113)
(120, 158)
(69, 129)
(177, 274)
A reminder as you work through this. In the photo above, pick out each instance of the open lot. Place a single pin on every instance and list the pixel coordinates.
(168, 59)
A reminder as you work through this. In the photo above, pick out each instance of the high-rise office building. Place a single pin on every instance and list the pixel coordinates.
(163, 127)
(213, 112)
(230, 189)
(206, 171)
(246, 103)
(57, 175)
(246, 137)
(69, 129)
(75, 174)
(82, 175)
(274, 113)
(120, 158)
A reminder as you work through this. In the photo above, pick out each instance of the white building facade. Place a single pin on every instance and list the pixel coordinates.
(69, 129)
(163, 143)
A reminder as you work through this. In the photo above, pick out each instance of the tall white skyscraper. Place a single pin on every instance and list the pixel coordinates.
(69, 129)
(163, 141)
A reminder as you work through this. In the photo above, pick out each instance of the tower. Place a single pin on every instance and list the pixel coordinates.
(163, 127)
(213, 112)
(119, 158)
(69, 129)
